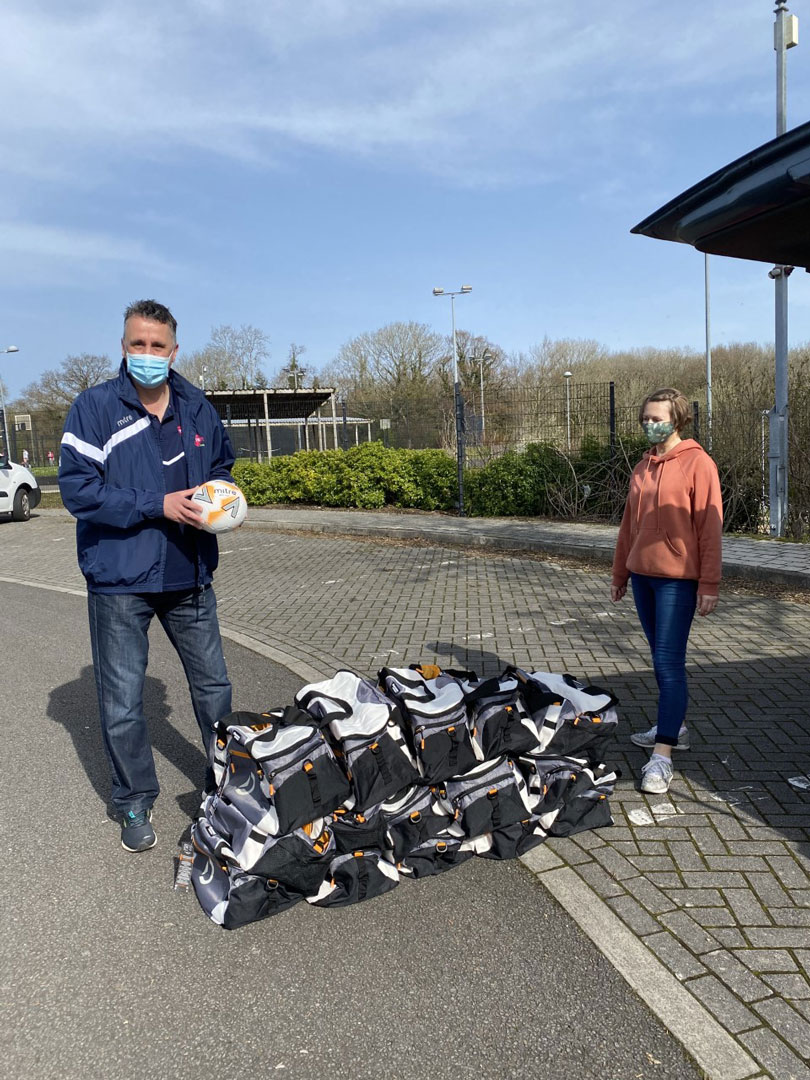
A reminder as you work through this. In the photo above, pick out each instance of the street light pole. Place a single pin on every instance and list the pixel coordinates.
(6, 444)
(568, 375)
(786, 35)
(458, 401)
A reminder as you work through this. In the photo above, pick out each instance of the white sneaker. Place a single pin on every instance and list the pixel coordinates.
(656, 775)
(649, 738)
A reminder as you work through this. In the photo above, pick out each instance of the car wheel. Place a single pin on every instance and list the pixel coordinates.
(22, 505)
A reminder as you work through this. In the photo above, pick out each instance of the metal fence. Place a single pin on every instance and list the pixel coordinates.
(579, 419)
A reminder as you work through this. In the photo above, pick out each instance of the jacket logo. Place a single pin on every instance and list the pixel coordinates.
(125, 420)
(199, 440)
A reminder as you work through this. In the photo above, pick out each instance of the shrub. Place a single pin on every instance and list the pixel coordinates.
(365, 477)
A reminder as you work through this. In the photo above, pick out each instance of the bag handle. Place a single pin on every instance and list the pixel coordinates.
(421, 685)
(341, 709)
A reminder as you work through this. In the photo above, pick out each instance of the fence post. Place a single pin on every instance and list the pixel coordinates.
(696, 419)
(344, 432)
(459, 402)
(612, 420)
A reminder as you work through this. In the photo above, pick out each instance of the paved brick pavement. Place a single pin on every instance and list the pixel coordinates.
(713, 878)
(765, 559)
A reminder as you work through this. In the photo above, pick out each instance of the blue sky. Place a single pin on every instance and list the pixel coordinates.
(315, 168)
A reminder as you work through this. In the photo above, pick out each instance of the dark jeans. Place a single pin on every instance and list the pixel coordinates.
(118, 634)
(666, 607)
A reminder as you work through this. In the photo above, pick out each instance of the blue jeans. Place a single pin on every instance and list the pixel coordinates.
(666, 607)
(119, 624)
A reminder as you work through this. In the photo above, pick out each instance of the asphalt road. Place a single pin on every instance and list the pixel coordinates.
(107, 972)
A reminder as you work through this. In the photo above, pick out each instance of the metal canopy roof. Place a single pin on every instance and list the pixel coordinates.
(269, 404)
(758, 207)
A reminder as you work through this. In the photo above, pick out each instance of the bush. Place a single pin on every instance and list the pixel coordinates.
(365, 477)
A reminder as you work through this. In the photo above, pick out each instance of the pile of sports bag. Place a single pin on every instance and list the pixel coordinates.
(335, 798)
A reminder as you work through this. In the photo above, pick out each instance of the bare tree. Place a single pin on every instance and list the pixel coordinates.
(56, 389)
(479, 360)
(392, 373)
(294, 374)
(232, 359)
(395, 356)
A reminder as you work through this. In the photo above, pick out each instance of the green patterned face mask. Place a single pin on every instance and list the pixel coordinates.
(658, 431)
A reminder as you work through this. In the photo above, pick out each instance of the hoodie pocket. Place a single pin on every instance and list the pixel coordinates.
(672, 547)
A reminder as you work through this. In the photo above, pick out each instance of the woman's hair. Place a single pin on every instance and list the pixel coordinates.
(681, 413)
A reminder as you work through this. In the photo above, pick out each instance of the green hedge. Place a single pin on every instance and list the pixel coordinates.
(365, 477)
(539, 481)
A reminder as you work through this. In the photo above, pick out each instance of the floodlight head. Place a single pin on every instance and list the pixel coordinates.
(466, 288)
(438, 292)
(11, 348)
(568, 374)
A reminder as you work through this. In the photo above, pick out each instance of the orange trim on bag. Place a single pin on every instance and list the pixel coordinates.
(429, 671)
(308, 766)
(416, 816)
(441, 846)
(357, 854)
(239, 753)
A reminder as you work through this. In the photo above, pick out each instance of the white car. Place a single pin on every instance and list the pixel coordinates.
(19, 491)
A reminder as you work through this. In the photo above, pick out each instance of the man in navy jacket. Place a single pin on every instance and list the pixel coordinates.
(133, 450)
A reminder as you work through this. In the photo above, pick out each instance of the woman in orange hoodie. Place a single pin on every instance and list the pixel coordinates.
(669, 547)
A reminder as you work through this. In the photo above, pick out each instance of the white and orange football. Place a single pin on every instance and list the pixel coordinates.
(223, 505)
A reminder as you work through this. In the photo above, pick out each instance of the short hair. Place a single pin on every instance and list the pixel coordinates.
(681, 412)
(151, 309)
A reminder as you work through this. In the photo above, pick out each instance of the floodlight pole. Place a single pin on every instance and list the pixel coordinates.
(458, 401)
(786, 35)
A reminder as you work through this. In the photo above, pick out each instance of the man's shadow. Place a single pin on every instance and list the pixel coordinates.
(74, 705)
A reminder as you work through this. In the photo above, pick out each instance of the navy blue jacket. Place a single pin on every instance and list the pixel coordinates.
(111, 479)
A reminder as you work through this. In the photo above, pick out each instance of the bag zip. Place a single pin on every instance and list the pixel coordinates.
(290, 765)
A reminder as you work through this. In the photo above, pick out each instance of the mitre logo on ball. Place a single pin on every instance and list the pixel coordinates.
(222, 504)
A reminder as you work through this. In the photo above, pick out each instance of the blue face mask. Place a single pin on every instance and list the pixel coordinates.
(658, 431)
(148, 371)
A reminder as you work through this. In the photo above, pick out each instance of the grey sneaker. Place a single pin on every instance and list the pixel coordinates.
(656, 776)
(647, 739)
(137, 833)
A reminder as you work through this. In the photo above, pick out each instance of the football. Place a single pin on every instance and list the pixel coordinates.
(223, 505)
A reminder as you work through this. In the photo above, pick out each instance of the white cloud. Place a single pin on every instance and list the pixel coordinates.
(520, 85)
(40, 253)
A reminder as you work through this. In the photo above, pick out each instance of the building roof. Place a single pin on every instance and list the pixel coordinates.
(281, 404)
(758, 207)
